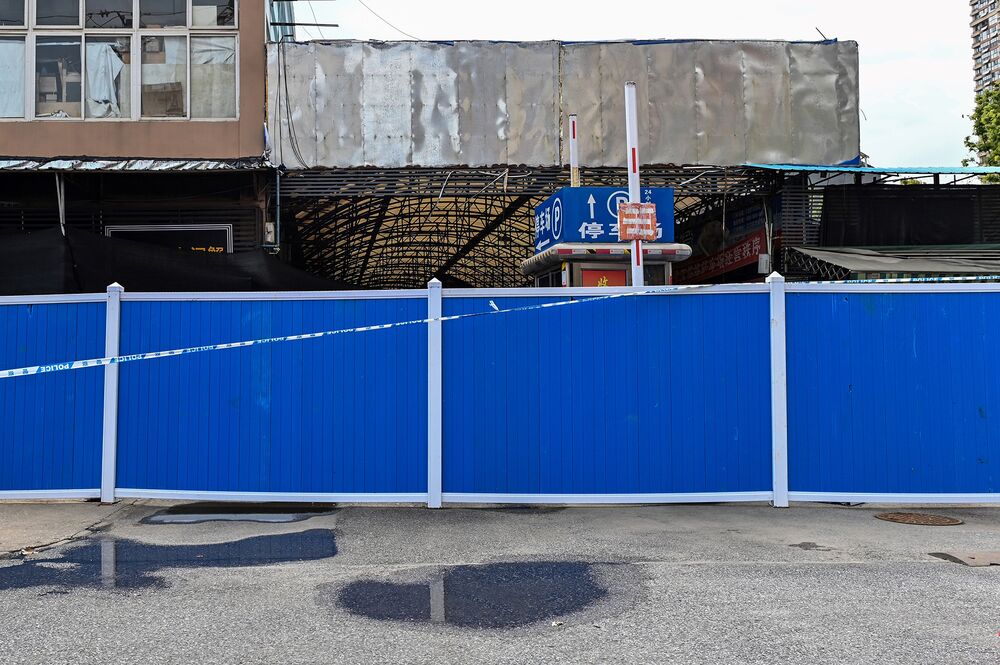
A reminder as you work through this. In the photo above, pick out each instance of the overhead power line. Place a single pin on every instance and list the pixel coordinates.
(381, 18)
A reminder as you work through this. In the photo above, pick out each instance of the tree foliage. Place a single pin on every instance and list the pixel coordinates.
(984, 143)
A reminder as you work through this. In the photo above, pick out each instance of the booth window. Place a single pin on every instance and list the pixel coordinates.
(57, 12)
(105, 14)
(58, 77)
(11, 77)
(163, 75)
(11, 12)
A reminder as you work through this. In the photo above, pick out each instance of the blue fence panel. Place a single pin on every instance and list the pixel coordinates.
(665, 394)
(894, 393)
(51, 439)
(340, 414)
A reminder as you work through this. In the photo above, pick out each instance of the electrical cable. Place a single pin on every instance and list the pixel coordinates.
(376, 15)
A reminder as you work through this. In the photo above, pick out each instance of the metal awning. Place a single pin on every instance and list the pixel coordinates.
(132, 165)
(883, 170)
(841, 262)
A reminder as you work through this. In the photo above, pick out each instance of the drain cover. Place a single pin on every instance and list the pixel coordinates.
(919, 519)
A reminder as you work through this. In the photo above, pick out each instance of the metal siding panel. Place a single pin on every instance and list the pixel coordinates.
(295, 71)
(53, 437)
(435, 110)
(432, 104)
(581, 94)
(388, 134)
(894, 393)
(338, 104)
(672, 113)
(275, 417)
(848, 100)
(721, 109)
(815, 137)
(532, 105)
(766, 91)
(610, 420)
(620, 63)
(482, 103)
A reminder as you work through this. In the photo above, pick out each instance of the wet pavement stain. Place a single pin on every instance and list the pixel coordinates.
(129, 564)
(196, 513)
(490, 596)
(812, 547)
(518, 509)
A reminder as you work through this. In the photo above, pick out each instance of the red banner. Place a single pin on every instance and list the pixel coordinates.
(743, 253)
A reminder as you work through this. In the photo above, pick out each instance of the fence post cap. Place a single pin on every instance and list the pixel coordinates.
(435, 283)
(775, 277)
(115, 286)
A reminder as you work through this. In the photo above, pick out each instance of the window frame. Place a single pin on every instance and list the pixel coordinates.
(29, 30)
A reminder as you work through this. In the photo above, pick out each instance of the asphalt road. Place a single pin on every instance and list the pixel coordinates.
(690, 584)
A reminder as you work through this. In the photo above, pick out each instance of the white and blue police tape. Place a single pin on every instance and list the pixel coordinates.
(118, 360)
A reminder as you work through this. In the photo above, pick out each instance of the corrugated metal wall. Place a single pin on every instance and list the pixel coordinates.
(344, 104)
(894, 393)
(342, 414)
(638, 395)
(52, 436)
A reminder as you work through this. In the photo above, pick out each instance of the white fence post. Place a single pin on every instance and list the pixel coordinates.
(434, 350)
(779, 393)
(109, 445)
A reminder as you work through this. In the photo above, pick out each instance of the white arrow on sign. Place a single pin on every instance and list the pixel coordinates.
(591, 202)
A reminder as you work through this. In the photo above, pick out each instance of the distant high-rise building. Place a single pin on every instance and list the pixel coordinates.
(986, 42)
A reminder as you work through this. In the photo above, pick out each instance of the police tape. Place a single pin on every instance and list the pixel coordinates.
(493, 311)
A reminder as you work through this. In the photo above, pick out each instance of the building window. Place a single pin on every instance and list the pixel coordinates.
(58, 77)
(212, 13)
(81, 57)
(162, 13)
(107, 14)
(213, 77)
(164, 72)
(57, 12)
(11, 12)
(109, 77)
(11, 77)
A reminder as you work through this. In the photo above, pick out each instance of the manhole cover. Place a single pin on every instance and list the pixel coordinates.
(919, 519)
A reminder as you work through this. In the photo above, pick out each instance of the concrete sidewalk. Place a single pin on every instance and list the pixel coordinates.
(706, 583)
(30, 525)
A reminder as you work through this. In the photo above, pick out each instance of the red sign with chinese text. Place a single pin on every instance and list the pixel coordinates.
(636, 221)
(744, 253)
(604, 277)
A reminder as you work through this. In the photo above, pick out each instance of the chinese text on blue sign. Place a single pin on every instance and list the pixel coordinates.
(590, 214)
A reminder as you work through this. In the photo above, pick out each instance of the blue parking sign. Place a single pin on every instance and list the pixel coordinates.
(590, 214)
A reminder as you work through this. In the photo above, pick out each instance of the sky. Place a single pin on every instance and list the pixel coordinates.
(916, 55)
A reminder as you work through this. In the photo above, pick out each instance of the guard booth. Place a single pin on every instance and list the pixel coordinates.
(577, 243)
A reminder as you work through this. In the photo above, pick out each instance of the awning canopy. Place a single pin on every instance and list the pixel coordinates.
(884, 170)
(841, 262)
(109, 164)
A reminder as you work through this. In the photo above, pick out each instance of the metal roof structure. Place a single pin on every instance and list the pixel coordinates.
(398, 228)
